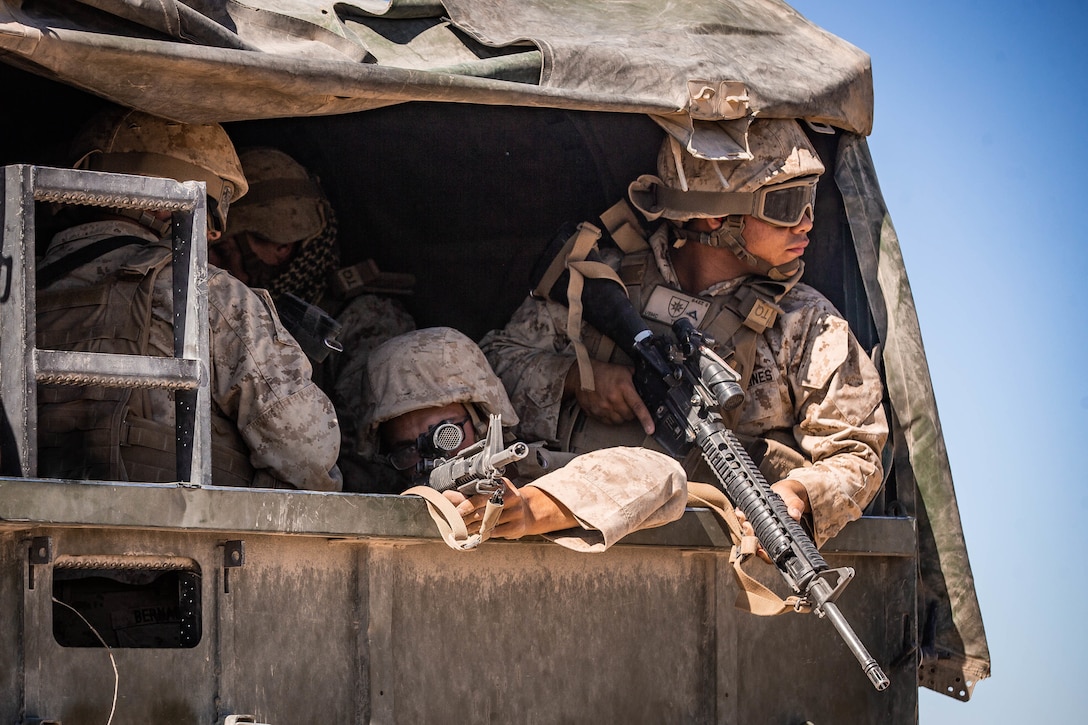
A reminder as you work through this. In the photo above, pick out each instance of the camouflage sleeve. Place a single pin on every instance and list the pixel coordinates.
(841, 424)
(532, 355)
(261, 379)
(614, 491)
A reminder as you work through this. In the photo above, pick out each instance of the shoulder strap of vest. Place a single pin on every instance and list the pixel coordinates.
(573, 257)
(51, 273)
(580, 269)
(624, 227)
(618, 223)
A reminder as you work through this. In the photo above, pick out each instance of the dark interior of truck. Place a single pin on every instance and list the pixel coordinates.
(463, 197)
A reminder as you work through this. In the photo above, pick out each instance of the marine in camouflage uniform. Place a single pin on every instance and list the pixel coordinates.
(271, 425)
(426, 379)
(813, 416)
(283, 237)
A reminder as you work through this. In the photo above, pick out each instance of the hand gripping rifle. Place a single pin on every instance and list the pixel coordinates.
(477, 469)
(684, 383)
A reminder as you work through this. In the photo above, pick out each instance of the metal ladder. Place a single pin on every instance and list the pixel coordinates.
(23, 365)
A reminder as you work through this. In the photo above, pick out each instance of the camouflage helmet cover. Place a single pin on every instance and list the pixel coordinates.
(125, 141)
(780, 152)
(430, 368)
(285, 203)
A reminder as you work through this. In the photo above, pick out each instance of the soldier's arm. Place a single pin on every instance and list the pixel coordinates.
(532, 356)
(535, 360)
(614, 491)
(526, 511)
(261, 379)
(841, 428)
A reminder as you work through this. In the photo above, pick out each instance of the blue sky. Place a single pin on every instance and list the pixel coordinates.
(979, 144)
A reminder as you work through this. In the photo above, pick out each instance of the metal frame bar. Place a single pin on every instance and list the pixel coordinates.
(22, 365)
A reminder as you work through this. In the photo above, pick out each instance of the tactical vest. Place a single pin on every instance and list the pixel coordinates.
(106, 433)
(733, 320)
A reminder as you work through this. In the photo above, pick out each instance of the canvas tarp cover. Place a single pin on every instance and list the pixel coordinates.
(215, 60)
(685, 62)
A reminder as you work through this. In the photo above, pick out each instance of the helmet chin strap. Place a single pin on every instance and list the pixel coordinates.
(479, 423)
(729, 235)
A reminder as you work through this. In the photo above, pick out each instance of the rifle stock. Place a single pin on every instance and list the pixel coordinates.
(313, 328)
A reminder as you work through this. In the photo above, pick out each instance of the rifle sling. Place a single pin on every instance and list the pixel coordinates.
(753, 597)
(444, 514)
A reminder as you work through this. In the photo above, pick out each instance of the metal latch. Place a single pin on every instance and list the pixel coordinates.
(234, 556)
(724, 100)
(40, 553)
(239, 720)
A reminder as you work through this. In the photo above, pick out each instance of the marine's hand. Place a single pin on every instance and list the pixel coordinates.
(614, 399)
(526, 511)
(793, 494)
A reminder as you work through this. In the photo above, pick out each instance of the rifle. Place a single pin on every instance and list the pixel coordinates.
(685, 384)
(479, 467)
(313, 328)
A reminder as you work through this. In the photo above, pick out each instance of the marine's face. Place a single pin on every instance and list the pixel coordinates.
(774, 244)
(406, 437)
(251, 258)
(269, 252)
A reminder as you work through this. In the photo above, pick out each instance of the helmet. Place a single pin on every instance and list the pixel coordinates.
(777, 184)
(430, 368)
(285, 204)
(688, 187)
(125, 141)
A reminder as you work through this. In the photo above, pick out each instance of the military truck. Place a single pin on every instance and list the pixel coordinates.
(453, 138)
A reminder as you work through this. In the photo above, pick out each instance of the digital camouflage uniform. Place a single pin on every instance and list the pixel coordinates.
(813, 408)
(611, 492)
(263, 400)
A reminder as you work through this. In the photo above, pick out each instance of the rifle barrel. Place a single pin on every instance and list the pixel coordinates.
(505, 457)
(820, 590)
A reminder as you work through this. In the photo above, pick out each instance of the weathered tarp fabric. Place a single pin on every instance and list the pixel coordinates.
(953, 651)
(217, 60)
(687, 63)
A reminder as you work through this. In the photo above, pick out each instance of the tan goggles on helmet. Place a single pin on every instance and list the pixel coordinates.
(783, 205)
